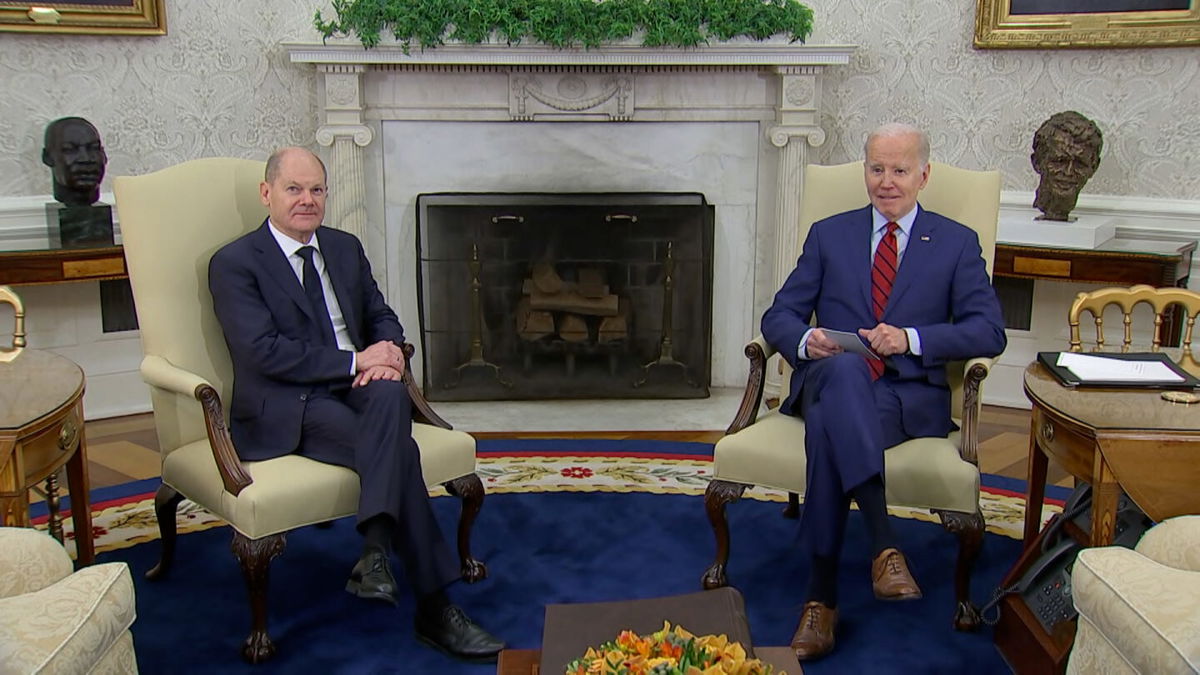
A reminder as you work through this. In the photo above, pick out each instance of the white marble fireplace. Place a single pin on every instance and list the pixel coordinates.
(733, 121)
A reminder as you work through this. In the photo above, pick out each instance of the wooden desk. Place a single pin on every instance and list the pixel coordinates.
(1115, 439)
(52, 266)
(41, 430)
(525, 661)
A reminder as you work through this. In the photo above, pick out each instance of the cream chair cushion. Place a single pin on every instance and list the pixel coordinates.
(1139, 610)
(53, 620)
(293, 491)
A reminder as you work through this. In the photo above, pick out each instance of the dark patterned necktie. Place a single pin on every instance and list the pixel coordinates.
(883, 275)
(316, 295)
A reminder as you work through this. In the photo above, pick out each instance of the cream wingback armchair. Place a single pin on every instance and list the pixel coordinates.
(56, 620)
(1139, 610)
(172, 221)
(939, 474)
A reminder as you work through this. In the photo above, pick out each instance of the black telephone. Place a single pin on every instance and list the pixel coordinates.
(1046, 585)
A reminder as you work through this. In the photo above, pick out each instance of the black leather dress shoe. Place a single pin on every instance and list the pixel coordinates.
(372, 578)
(452, 632)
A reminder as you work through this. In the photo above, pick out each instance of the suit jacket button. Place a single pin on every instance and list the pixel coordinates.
(303, 397)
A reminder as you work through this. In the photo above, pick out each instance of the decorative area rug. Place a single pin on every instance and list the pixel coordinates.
(123, 516)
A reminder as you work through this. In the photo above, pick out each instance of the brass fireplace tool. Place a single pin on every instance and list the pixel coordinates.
(666, 355)
(476, 359)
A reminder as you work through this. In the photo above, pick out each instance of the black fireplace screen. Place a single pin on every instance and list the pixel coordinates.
(540, 296)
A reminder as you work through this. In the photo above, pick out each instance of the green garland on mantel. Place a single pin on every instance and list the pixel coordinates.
(567, 23)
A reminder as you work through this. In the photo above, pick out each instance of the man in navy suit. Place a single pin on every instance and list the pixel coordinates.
(317, 372)
(913, 284)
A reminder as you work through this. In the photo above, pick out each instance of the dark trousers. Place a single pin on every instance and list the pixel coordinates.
(369, 429)
(848, 421)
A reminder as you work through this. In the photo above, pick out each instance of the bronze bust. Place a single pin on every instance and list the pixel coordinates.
(1066, 153)
(76, 158)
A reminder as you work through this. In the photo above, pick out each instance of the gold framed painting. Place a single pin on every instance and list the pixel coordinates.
(89, 17)
(1043, 24)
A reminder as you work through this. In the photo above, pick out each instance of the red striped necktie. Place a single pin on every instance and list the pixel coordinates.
(883, 275)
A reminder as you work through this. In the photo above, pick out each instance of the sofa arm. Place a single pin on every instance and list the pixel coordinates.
(30, 560)
(1174, 542)
(1147, 612)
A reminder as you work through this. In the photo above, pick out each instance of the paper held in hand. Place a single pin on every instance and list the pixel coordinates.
(1102, 369)
(851, 342)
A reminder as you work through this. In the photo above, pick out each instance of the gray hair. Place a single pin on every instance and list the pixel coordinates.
(894, 129)
(276, 159)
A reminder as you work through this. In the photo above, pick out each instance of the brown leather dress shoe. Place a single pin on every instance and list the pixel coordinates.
(814, 635)
(891, 579)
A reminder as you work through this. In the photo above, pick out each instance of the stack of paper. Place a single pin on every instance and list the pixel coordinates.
(1103, 369)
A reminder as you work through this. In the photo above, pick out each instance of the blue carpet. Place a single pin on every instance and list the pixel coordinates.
(555, 548)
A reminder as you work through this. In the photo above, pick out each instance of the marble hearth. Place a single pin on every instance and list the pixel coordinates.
(734, 122)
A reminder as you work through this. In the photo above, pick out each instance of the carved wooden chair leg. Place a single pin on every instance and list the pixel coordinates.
(470, 490)
(166, 500)
(255, 556)
(792, 510)
(716, 497)
(969, 527)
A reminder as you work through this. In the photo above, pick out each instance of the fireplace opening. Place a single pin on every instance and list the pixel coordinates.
(565, 295)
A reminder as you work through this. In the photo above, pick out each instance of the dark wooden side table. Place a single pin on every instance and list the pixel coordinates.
(58, 265)
(1118, 262)
(41, 430)
(525, 661)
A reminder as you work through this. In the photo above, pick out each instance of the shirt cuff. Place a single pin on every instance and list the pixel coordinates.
(353, 362)
(802, 350)
(914, 341)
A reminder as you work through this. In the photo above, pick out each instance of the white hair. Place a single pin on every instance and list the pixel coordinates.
(894, 129)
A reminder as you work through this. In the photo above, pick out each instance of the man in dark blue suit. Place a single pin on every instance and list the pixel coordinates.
(912, 284)
(317, 371)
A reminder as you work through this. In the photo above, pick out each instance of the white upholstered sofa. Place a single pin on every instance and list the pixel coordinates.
(1139, 609)
(56, 620)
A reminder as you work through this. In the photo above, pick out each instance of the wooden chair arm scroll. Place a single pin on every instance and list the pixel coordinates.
(974, 371)
(758, 351)
(158, 372)
(234, 476)
(422, 412)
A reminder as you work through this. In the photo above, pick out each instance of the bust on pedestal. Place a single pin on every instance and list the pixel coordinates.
(76, 159)
(1066, 154)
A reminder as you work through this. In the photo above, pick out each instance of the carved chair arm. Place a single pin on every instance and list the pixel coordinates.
(758, 351)
(974, 371)
(158, 372)
(422, 412)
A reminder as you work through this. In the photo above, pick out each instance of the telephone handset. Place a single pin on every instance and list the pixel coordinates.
(1046, 586)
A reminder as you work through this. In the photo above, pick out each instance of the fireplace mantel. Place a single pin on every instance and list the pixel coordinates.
(733, 53)
(772, 87)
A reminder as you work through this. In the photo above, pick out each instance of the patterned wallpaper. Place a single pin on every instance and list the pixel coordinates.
(219, 84)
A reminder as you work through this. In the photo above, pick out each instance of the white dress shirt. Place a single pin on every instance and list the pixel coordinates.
(289, 247)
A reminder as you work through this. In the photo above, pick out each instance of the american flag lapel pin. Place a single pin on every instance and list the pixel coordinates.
(924, 237)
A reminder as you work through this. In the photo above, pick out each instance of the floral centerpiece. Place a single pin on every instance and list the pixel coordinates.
(670, 651)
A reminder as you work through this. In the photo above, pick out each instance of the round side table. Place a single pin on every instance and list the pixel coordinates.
(41, 430)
